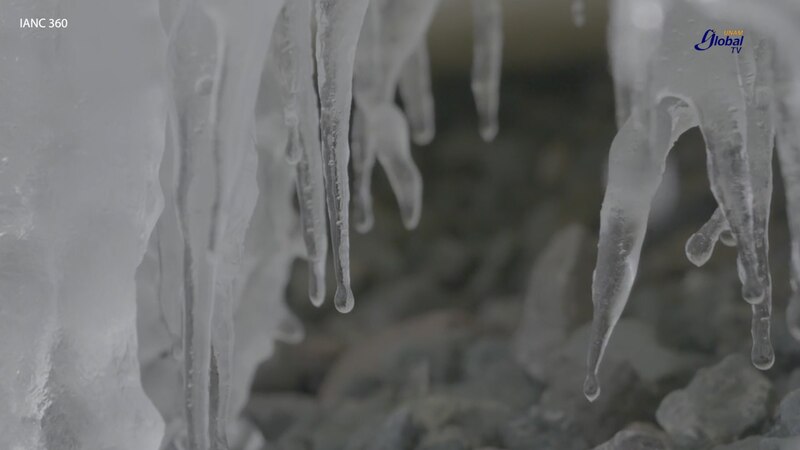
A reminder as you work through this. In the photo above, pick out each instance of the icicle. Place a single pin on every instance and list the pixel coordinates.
(294, 54)
(338, 26)
(366, 89)
(417, 96)
(639, 149)
(363, 163)
(394, 153)
(487, 63)
(635, 170)
(578, 8)
(392, 31)
(211, 172)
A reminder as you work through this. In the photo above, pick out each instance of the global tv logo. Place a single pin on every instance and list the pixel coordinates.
(732, 38)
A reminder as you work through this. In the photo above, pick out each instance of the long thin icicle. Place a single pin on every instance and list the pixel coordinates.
(338, 27)
(487, 64)
(294, 53)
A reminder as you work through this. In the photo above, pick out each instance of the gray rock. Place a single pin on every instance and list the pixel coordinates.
(397, 432)
(541, 429)
(788, 420)
(447, 439)
(638, 436)
(762, 443)
(479, 421)
(489, 372)
(719, 404)
(386, 359)
(626, 399)
(274, 414)
(635, 344)
(556, 301)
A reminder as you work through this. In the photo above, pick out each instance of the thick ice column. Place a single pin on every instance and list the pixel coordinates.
(338, 26)
(487, 63)
(82, 129)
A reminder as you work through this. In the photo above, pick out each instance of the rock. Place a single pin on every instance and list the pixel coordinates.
(541, 429)
(557, 299)
(719, 404)
(479, 421)
(447, 439)
(762, 443)
(273, 414)
(788, 419)
(638, 436)
(397, 432)
(489, 372)
(635, 344)
(386, 359)
(625, 399)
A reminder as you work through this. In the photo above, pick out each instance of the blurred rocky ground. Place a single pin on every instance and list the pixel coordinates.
(470, 331)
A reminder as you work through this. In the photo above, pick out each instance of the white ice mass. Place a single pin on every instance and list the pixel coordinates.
(181, 151)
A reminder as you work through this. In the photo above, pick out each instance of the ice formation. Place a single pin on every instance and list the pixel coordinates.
(231, 109)
(82, 139)
(664, 87)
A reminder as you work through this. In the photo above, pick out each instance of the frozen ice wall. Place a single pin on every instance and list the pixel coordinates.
(82, 137)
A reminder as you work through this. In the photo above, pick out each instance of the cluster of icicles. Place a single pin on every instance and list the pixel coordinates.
(259, 99)
(744, 103)
(318, 57)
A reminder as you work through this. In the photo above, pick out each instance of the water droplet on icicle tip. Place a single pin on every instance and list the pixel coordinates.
(698, 249)
(763, 356)
(579, 12)
(343, 299)
(591, 387)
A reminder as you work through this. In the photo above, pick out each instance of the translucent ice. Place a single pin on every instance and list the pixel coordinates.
(294, 55)
(487, 63)
(338, 27)
(212, 128)
(83, 133)
(656, 104)
(417, 96)
(392, 49)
